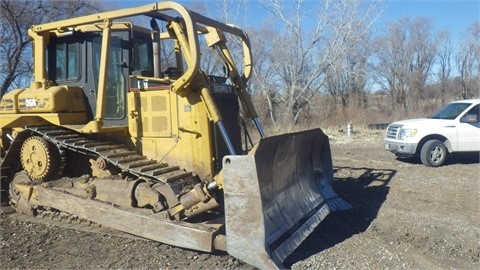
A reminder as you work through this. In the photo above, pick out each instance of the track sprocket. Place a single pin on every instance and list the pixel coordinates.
(40, 159)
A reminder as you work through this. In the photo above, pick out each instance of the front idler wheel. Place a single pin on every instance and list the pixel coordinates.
(13, 192)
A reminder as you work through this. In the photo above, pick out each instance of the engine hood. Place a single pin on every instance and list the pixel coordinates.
(423, 123)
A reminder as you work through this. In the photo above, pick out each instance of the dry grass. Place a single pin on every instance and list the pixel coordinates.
(327, 115)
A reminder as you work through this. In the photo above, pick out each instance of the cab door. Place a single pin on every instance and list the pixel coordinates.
(117, 77)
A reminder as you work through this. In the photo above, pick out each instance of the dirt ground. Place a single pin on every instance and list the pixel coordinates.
(404, 216)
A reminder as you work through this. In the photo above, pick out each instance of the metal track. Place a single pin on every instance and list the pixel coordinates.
(9, 162)
(117, 155)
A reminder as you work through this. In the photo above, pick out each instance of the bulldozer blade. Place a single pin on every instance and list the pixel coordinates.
(276, 196)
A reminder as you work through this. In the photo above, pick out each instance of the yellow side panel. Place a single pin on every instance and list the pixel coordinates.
(172, 129)
(9, 102)
(54, 99)
(21, 120)
(150, 114)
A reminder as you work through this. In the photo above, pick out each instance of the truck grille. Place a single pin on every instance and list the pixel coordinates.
(392, 131)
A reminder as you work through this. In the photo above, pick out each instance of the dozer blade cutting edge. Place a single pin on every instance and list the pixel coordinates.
(276, 195)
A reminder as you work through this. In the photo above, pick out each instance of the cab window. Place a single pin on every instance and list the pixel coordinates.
(142, 62)
(63, 59)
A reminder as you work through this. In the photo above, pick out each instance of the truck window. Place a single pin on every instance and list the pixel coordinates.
(474, 111)
(451, 111)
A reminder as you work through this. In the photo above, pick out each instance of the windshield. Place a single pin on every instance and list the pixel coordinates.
(451, 111)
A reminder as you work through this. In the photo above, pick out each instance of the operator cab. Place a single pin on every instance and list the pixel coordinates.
(73, 59)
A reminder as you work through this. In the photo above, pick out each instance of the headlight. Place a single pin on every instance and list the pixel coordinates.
(407, 133)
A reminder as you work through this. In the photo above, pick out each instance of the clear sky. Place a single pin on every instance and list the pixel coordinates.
(454, 15)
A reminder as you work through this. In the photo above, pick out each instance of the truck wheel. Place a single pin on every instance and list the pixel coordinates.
(433, 153)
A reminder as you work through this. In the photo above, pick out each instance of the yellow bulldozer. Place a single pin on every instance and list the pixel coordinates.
(133, 128)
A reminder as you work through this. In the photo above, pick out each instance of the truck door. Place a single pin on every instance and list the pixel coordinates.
(469, 130)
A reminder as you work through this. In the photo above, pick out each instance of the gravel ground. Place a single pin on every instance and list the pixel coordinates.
(404, 216)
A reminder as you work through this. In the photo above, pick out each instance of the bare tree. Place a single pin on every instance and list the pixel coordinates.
(475, 32)
(444, 60)
(264, 81)
(424, 48)
(302, 52)
(228, 11)
(392, 64)
(467, 61)
(405, 59)
(346, 79)
(16, 17)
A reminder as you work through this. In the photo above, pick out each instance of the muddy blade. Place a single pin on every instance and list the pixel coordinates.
(276, 195)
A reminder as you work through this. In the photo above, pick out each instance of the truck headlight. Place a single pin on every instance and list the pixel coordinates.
(407, 133)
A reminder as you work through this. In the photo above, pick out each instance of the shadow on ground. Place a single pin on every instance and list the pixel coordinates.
(365, 189)
(457, 158)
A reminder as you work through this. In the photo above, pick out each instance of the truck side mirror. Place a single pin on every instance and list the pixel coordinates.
(469, 118)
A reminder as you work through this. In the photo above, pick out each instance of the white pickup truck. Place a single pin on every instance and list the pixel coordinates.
(453, 129)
